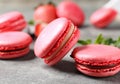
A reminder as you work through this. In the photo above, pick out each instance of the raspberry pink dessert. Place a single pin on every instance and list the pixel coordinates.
(106, 15)
(97, 60)
(55, 40)
(12, 21)
(14, 44)
(71, 11)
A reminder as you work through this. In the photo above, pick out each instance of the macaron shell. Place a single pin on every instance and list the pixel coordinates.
(60, 43)
(97, 54)
(12, 18)
(16, 26)
(49, 36)
(91, 72)
(14, 40)
(103, 17)
(71, 11)
(71, 42)
(7, 16)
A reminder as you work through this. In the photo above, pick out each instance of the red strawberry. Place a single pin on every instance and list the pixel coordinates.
(39, 28)
(45, 13)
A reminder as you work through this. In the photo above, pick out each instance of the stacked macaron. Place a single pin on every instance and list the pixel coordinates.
(13, 42)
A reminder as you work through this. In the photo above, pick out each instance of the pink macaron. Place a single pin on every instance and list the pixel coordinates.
(57, 38)
(12, 21)
(97, 60)
(71, 11)
(103, 17)
(14, 44)
(108, 13)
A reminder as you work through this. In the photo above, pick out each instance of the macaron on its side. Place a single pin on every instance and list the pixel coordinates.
(12, 20)
(61, 41)
(49, 36)
(71, 11)
(14, 44)
(48, 46)
(97, 60)
(103, 17)
(63, 47)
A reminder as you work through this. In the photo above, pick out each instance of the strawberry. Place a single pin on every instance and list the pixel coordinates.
(39, 28)
(45, 13)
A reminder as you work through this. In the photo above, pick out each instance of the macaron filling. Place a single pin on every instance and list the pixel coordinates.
(98, 68)
(68, 35)
(13, 49)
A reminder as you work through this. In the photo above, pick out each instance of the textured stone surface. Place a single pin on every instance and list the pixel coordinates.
(32, 70)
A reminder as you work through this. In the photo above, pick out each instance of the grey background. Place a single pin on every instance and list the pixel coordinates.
(32, 70)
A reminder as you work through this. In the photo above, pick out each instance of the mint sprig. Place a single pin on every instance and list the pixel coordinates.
(108, 41)
(101, 40)
(85, 42)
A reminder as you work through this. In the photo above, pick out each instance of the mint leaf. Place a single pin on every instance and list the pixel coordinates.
(108, 41)
(99, 39)
(117, 43)
(31, 22)
(83, 42)
(89, 41)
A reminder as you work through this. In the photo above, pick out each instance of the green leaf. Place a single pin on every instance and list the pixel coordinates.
(117, 43)
(108, 41)
(31, 22)
(83, 42)
(89, 41)
(99, 39)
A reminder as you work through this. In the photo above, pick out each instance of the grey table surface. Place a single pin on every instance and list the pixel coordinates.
(32, 70)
